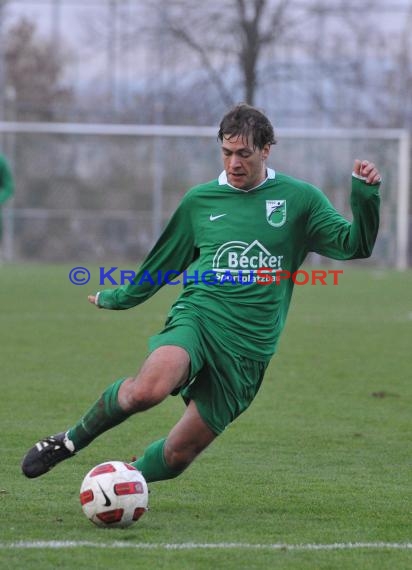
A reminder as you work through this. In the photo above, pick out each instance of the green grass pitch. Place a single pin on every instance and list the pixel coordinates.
(322, 457)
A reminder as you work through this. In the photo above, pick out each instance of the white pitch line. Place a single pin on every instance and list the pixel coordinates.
(57, 544)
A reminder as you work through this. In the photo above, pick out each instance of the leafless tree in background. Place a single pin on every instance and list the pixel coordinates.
(34, 73)
(310, 62)
(228, 40)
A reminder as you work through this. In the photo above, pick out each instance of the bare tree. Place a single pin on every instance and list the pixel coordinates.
(228, 40)
(34, 72)
(312, 62)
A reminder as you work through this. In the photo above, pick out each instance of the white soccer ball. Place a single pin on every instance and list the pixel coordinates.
(114, 495)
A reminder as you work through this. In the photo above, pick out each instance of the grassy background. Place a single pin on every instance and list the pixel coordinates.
(323, 455)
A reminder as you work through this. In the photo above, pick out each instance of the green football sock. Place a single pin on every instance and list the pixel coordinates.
(103, 415)
(153, 463)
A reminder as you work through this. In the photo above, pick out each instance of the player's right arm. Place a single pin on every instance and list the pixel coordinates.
(173, 251)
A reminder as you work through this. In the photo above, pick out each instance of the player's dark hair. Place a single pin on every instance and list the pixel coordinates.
(244, 120)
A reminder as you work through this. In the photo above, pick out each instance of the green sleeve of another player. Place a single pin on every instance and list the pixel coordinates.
(6, 181)
(330, 234)
(174, 251)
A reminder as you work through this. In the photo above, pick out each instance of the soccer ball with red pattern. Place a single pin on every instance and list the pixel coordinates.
(114, 495)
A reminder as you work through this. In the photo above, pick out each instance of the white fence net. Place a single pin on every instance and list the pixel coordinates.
(103, 192)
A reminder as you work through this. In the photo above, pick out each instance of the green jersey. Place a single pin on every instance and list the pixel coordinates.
(223, 238)
(6, 186)
(6, 180)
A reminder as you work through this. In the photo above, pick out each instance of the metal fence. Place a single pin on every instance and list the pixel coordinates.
(102, 192)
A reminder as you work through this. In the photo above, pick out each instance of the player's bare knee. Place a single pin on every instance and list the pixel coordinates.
(180, 457)
(144, 397)
(137, 396)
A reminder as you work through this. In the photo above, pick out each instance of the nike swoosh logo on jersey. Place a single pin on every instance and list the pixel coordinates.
(213, 218)
(108, 501)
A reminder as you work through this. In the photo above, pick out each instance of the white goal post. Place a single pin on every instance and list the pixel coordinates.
(299, 145)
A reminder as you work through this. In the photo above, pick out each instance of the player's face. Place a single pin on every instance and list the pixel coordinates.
(244, 165)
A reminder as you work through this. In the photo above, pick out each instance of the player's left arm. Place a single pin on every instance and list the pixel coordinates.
(331, 235)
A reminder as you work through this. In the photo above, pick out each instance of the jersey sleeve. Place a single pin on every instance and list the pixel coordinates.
(174, 251)
(331, 235)
(6, 181)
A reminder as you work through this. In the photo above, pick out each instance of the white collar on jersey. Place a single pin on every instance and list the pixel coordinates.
(270, 174)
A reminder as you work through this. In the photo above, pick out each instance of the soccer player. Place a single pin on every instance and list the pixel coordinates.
(236, 239)
(6, 188)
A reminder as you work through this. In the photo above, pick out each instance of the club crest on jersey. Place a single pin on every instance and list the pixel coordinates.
(276, 212)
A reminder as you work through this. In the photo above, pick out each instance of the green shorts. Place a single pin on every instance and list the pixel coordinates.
(221, 383)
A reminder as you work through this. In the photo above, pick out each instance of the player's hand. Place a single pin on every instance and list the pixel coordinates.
(92, 299)
(367, 170)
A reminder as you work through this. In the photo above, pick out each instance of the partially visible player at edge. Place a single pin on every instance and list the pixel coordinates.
(6, 190)
(220, 335)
